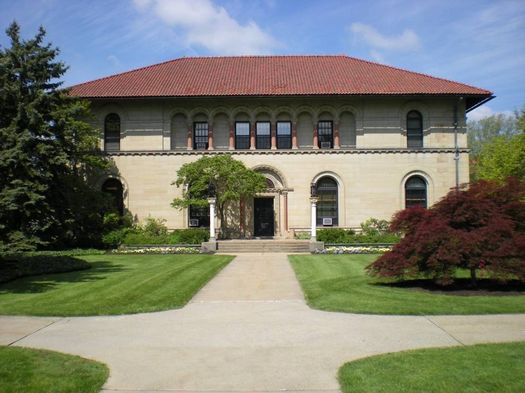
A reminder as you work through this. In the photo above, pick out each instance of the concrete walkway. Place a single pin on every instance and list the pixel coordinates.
(248, 330)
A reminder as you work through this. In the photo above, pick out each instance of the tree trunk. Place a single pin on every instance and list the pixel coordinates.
(220, 210)
(473, 278)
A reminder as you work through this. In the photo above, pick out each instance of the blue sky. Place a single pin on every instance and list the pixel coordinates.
(476, 42)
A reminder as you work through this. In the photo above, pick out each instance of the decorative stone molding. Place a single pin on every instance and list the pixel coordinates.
(292, 151)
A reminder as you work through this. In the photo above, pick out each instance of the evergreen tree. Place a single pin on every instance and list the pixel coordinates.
(46, 149)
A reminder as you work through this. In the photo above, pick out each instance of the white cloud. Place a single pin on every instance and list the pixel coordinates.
(201, 23)
(114, 60)
(377, 56)
(404, 42)
(485, 111)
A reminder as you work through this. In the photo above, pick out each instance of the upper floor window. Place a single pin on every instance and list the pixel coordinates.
(242, 135)
(415, 192)
(414, 130)
(200, 135)
(112, 132)
(284, 135)
(327, 211)
(263, 136)
(325, 134)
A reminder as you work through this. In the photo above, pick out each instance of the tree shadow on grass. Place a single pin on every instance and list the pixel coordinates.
(462, 287)
(44, 282)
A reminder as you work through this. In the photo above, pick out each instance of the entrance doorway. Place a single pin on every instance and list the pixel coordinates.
(263, 219)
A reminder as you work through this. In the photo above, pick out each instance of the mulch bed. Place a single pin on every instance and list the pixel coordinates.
(463, 287)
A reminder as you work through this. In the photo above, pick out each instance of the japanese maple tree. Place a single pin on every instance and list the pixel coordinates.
(480, 228)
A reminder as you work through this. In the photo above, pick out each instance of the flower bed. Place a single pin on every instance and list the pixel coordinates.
(158, 250)
(354, 250)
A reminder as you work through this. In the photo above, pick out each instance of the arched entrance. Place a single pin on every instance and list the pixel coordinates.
(269, 207)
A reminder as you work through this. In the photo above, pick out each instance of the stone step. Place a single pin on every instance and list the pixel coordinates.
(263, 246)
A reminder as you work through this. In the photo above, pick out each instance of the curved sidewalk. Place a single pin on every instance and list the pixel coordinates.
(248, 330)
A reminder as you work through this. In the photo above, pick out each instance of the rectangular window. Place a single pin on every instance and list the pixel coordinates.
(200, 136)
(327, 208)
(325, 134)
(199, 216)
(284, 135)
(242, 135)
(263, 138)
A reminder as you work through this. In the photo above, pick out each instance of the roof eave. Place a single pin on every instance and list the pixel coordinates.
(478, 99)
(478, 103)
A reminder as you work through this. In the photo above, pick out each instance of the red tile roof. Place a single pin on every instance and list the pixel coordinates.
(270, 76)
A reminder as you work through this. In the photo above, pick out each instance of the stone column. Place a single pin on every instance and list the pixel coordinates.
(337, 142)
(210, 136)
(294, 135)
(315, 139)
(273, 132)
(212, 201)
(252, 135)
(285, 203)
(313, 231)
(232, 136)
(190, 137)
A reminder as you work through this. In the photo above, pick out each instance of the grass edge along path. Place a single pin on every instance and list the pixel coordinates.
(339, 283)
(115, 284)
(35, 370)
(472, 369)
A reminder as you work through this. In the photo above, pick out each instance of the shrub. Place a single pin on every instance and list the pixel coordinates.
(374, 226)
(480, 228)
(115, 238)
(142, 236)
(373, 232)
(116, 228)
(155, 227)
(375, 238)
(191, 235)
(334, 235)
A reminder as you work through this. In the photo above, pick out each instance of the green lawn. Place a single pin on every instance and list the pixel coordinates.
(483, 368)
(36, 371)
(116, 284)
(339, 283)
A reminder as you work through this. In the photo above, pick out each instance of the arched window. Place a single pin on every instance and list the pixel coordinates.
(327, 204)
(269, 183)
(414, 130)
(112, 132)
(114, 188)
(415, 192)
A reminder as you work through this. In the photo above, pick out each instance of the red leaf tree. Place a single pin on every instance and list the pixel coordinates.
(480, 228)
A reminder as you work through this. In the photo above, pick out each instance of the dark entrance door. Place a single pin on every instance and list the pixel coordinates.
(263, 217)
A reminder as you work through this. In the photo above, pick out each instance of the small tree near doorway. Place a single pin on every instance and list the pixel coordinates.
(229, 181)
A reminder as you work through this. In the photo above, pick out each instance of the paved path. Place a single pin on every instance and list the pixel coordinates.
(248, 330)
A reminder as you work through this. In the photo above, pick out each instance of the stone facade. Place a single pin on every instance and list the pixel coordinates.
(369, 160)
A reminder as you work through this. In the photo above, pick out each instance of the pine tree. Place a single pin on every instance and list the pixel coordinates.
(44, 146)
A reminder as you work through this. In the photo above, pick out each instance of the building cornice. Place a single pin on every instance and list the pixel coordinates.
(286, 152)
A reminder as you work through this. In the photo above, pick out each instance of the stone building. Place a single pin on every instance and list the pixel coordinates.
(372, 138)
